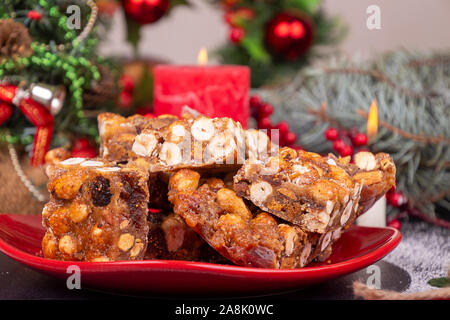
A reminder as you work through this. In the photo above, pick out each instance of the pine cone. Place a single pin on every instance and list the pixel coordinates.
(105, 90)
(15, 40)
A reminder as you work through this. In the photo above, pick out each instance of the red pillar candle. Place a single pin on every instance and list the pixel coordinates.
(215, 91)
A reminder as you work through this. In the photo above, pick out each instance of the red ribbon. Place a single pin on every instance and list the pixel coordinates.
(36, 113)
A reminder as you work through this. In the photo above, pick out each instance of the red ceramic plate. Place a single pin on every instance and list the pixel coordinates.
(20, 238)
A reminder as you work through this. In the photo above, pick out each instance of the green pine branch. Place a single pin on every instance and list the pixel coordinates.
(412, 91)
(76, 66)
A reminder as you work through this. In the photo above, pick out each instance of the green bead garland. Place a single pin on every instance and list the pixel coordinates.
(64, 60)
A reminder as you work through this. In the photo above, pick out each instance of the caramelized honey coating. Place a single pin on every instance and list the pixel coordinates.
(167, 143)
(375, 172)
(170, 238)
(97, 211)
(117, 133)
(246, 238)
(316, 193)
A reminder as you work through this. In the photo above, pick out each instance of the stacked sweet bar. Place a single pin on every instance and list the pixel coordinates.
(307, 221)
(117, 134)
(170, 238)
(167, 144)
(223, 193)
(97, 212)
(247, 238)
(316, 193)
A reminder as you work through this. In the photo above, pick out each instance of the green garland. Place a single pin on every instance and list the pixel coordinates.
(413, 93)
(252, 51)
(58, 58)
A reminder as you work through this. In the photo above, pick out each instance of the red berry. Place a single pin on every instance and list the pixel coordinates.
(338, 145)
(127, 83)
(236, 34)
(125, 99)
(235, 17)
(144, 109)
(397, 199)
(34, 15)
(352, 132)
(255, 101)
(290, 138)
(296, 147)
(283, 126)
(392, 189)
(395, 224)
(265, 110)
(80, 144)
(331, 134)
(264, 123)
(276, 137)
(229, 17)
(346, 150)
(89, 152)
(360, 139)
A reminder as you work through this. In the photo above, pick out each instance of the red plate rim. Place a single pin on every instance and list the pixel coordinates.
(203, 267)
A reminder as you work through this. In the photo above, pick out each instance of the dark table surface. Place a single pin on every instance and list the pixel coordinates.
(422, 254)
(20, 282)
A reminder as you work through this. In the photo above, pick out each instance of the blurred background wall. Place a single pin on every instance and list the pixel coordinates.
(412, 24)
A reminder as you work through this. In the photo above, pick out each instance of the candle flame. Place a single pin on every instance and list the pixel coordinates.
(202, 57)
(372, 120)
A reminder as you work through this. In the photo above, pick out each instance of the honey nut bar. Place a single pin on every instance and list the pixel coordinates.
(117, 133)
(97, 211)
(167, 143)
(169, 238)
(255, 239)
(314, 192)
(376, 173)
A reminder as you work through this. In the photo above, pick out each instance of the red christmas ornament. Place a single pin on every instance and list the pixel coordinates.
(346, 150)
(338, 145)
(236, 34)
(265, 110)
(145, 11)
(331, 134)
(397, 199)
(360, 139)
(395, 224)
(149, 115)
(34, 15)
(289, 35)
